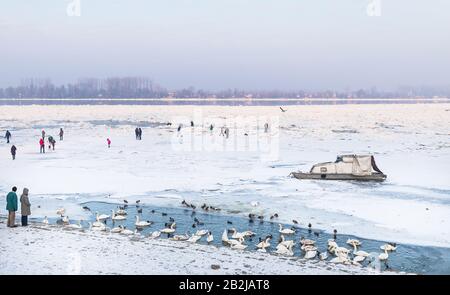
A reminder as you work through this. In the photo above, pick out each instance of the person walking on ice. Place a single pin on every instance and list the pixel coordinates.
(13, 152)
(42, 146)
(11, 207)
(43, 134)
(7, 136)
(51, 142)
(61, 134)
(109, 142)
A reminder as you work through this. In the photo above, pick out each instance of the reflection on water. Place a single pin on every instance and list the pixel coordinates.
(408, 258)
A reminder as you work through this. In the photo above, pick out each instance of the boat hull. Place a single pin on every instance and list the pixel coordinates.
(329, 176)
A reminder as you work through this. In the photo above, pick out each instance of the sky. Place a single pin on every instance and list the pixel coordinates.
(217, 44)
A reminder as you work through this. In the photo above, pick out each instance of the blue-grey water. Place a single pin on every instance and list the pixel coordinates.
(226, 102)
(407, 258)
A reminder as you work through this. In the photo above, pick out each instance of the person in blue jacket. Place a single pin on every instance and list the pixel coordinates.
(11, 207)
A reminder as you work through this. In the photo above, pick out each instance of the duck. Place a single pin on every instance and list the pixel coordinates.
(310, 254)
(169, 230)
(141, 223)
(101, 216)
(117, 217)
(45, 221)
(210, 238)
(285, 231)
(116, 230)
(181, 237)
(75, 225)
(155, 234)
(194, 238)
(201, 232)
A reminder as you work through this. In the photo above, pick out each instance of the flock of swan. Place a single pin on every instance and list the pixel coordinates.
(236, 240)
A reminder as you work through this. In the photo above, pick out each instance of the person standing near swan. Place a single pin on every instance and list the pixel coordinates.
(25, 207)
(11, 207)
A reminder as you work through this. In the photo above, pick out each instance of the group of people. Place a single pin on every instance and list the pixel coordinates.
(12, 207)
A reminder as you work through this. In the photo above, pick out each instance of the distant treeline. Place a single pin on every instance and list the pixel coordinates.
(142, 87)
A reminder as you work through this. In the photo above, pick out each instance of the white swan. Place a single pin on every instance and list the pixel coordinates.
(282, 250)
(238, 246)
(286, 243)
(233, 242)
(121, 212)
(286, 231)
(323, 256)
(194, 238)
(75, 225)
(264, 244)
(126, 232)
(308, 248)
(117, 217)
(383, 256)
(210, 237)
(354, 242)
(201, 232)
(341, 251)
(60, 211)
(180, 237)
(225, 236)
(155, 234)
(45, 221)
(388, 247)
(307, 242)
(142, 223)
(65, 220)
(117, 230)
(358, 259)
(169, 230)
(101, 216)
(236, 235)
(97, 228)
(357, 252)
(310, 254)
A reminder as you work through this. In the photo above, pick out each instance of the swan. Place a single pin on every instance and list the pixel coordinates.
(142, 223)
(117, 230)
(75, 225)
(323, 256)
(341, 250)
(155, 234)
(308, 248)
(194, 238)
(97, 228)
(332, 244)
(360, 252)
(310, 254)
(284, 250)
(340, 259)
(117, 217)
(180, 237)
(383, 256)
(354, 242)
(225, 236)
(201, 232)
(238, 246)
(232, 242)
(65, 220)
(264, 244)
(359, 259)
(169, 230)
(236, 235)
(210, 237)
(121, 212)
(248, 233)
(286, 243)
(60, 211)
(45, 221)
(388, 247)
(101, 216)
(307, 242)
(126, 232)
(286, 231)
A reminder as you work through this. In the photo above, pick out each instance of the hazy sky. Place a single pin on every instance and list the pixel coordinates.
(285, 44)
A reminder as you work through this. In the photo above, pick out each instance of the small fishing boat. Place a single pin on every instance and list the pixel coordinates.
(346, 167)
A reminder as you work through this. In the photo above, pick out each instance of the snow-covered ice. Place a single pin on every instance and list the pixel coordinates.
(411, 144)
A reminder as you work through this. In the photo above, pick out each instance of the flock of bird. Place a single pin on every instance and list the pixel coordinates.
(231, 237)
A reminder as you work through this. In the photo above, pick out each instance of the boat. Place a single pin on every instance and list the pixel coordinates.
(346, 167)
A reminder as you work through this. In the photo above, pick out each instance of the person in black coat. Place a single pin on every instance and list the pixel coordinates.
(8, 136)
(13, 152)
